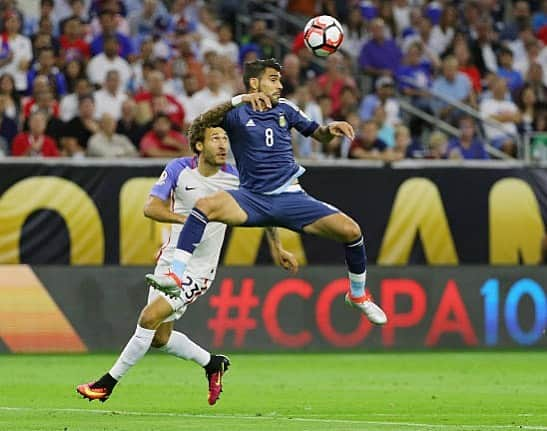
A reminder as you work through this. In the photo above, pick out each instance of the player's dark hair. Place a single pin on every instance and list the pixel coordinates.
(255, 69)
(196, 134)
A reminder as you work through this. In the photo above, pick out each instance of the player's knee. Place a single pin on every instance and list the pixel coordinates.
(351, 231)
(205, 205)
(149, 320)
(160, 340)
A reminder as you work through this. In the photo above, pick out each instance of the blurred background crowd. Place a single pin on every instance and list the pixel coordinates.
(415, 78)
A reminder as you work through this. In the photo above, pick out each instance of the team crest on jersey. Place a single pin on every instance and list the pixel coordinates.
(282, 120)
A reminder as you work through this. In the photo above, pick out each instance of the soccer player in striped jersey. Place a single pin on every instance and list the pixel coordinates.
(259, 126)
(183, 182)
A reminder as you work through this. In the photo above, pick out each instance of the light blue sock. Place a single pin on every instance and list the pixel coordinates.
(357, 284)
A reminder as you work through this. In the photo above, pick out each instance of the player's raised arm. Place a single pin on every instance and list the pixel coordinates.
(281, 257)
(336, 128)
(214, 116)
(160, 210)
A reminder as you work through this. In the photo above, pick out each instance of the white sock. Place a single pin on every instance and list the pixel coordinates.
(182, 347)
(135, 349)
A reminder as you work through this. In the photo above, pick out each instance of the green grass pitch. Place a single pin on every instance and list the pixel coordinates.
(473, 391)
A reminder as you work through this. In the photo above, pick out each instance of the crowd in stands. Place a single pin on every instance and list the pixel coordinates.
(125, 78)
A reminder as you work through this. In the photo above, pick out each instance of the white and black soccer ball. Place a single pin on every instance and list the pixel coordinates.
(323, 35)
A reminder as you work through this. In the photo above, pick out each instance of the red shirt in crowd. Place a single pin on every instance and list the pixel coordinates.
(69, 47)
(173, 108)
(25, 145)
(474, 76)
(151, 140)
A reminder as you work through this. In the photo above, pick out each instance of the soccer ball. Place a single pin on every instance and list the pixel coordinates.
(323, 35)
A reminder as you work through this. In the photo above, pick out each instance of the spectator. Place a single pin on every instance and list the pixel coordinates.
(506, 71)
(484, 47)
(443, 33)
(78, 130)
(127, 124)
(453, 85)
(401, 15)
(260, 38)
(154, 101)
(402, 142)
(15, 51)
(335, 78)
(31, 23)
(225, 44)
(468, 146)
(526, 102)
(534, 79)
(386, 132)
(108, 60)
(68, 107)
(124, 46)
(379, 56)
(64, 9)
(424, 38)
(46, 66)
(42, 98)
(72, 43)
(210, 96)
(504, 111)
(367, 145)
(463, 55)
(141, 22)
(521, 18)
(35, 142)
(162, 141)
(12, 102)
(415, 75)
(354, 33)
(349, 102)
(44, 38)
(306, 147)
(538, 143)
(291, 74)
(384, 97)
(109, 98)
(539, 19)
(8, 128)
(438, 144)
(107, 143)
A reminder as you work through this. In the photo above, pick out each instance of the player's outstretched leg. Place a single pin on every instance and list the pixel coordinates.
(340, 227)
(189, 238)
(357, 297)
(214, 371)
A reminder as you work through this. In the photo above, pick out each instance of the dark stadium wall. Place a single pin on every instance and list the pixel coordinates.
(92, 215)
(75, 309)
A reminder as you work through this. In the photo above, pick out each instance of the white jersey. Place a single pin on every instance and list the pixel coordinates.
(184, 185)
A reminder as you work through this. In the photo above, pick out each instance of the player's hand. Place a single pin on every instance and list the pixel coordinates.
(258, 101)
(287, 261)
(341, 128)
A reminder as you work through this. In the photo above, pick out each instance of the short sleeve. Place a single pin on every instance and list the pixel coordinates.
(298, 119)
(230, 120)
(167, 181)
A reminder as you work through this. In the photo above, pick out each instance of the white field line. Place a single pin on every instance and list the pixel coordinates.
(273, 417)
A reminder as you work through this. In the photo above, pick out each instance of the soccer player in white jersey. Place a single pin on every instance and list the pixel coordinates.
(269, 193)
(182, 183)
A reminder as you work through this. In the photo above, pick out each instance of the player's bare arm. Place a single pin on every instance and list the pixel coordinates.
(160, 210)
(281, 257)
(336, 128)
